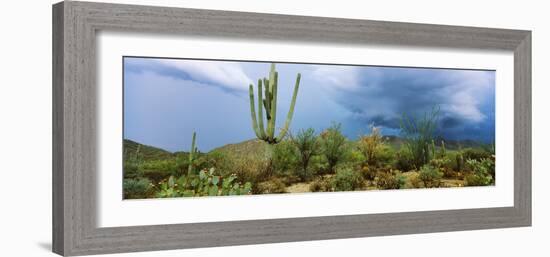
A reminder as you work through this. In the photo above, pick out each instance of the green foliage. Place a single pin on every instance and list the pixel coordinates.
(248, 169)
(268, 102)
(430, 176)
(321, 184)
(419, 134)
(390, 180)
(481, 172)
(272, 186)
(413, 181)
(333, 145)
(307, 145)
(371, 146)
(445, 165)
(347, 180)
(285, 158)
(132, 162)
(136, 188)
(368, 173)
(205, 184)
(476, 154)
(404, 160)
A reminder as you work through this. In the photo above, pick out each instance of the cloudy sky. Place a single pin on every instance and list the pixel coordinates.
(165, 100)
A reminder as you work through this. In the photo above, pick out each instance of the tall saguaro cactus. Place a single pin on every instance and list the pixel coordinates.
(192, 155)
(268, 102)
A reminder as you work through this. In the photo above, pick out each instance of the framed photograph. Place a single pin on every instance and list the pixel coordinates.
(183, 128)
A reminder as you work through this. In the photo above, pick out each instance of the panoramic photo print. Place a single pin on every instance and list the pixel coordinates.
(196, 128)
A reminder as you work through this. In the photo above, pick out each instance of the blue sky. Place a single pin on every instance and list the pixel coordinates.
(165, 100)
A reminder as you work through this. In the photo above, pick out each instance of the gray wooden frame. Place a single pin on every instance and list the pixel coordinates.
(74, 126)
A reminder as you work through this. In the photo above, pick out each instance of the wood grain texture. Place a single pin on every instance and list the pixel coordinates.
(74, 124)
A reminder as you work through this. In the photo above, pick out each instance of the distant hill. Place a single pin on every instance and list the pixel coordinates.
(256, 148)
(252, 147)
(146, 152)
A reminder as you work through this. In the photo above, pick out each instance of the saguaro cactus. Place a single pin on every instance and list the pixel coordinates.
(192, 156)
(268, 102)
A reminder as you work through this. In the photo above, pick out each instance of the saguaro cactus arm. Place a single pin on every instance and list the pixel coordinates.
(253, 110)
(192, 152)
(260, 110)
(291, 110)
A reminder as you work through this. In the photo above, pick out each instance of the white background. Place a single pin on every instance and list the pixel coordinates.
(25, 128)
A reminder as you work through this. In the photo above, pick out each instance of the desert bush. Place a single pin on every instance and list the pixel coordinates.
(321, 184)
(132, 162)
(203, 184)
(307, 145)
(430, 176)
(155, 175)
(166, 166)
(272, 186)
(419, 135)
(371, 146)
(477, 154)
(217, 159)
(249, 170)
(368, 173)
(347, 180)
(390, 180)
(481, 173)
(333, 145)
(131, 170)
(136, 188)
(404, 160)
(319, 165)
(445, 165)
(413, 180)
(285, 158)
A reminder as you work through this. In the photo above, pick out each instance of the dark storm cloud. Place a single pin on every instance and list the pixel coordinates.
(382, 95)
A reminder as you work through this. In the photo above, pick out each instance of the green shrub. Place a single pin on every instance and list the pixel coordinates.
(307, 145)
(481, 173)
(347, 180)
(430, 176)
(368, 173)
(475, 154)
(321, 184)
(413, 180)
(319, 165)
(136, 188)
(333, 145)
(285, 158)
(272, 186)
(203, 184)
(404, 160)
(250, 169)
(155, 175)
(445, 165)
(131, 170)
(371, 146)
(390, 180)
(157, 170)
